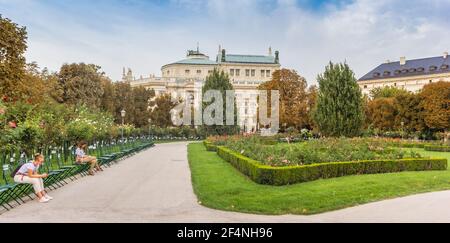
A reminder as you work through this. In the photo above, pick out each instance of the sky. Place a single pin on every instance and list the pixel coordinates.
(145, 35)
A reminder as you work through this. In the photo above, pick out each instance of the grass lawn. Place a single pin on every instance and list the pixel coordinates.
(218, 185)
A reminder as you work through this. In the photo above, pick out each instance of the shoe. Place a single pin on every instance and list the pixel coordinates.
(48, 197)
(44, 200)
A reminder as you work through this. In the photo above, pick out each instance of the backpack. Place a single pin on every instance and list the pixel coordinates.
(14, 172)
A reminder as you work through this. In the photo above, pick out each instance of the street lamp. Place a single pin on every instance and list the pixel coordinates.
(123, 113)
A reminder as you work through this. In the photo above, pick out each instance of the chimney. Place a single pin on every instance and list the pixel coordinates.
(388, 61)
(270, 51)
(402, 61)
(223, 55)
(277, 57)
(445, 55)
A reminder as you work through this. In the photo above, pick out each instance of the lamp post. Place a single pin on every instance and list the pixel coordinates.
(122, 114)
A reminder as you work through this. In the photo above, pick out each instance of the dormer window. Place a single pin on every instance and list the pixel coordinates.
(397, 72)
(412, 70)
(387, 73)
(444, 67)
(405, 71)
(421, 69)
(433, 68)
(376, 75)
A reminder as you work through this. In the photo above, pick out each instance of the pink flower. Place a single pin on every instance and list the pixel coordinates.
(12, 125)
(2, 111)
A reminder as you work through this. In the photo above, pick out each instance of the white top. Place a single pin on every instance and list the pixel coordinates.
(80, 153)
(28, 166)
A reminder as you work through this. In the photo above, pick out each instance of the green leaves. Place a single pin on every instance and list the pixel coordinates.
(339, 108)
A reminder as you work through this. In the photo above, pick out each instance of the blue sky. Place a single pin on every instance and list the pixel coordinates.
(144, 35)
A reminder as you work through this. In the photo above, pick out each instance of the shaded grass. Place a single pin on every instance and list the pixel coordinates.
(218, 185)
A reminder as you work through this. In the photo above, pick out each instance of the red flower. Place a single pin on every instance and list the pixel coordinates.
(12, 125)
(5, 98)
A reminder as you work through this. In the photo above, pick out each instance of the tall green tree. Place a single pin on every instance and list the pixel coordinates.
(339, 109)
(142, 97)
(13, 44)
(81, 84)
(221, 82)
(161, 111)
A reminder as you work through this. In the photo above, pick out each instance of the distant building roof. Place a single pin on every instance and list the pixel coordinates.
(196, 61)
(417, 67)
(249, 59)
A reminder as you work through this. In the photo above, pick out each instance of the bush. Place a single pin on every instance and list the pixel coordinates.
(437, 148)
(278, 176)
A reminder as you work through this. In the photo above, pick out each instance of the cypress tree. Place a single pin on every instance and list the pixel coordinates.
(339, 110)
(219, 81)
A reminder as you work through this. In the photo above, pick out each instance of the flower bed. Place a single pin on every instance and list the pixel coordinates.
(269, 175)
(314, 151)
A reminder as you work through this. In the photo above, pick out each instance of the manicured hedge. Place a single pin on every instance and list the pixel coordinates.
(278, 176)
(209, 146)
(438, 148)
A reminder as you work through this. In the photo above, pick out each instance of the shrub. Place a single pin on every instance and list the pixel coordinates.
(278, 176)
(437, 148)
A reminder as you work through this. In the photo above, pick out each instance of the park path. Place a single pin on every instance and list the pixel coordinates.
(155, 186)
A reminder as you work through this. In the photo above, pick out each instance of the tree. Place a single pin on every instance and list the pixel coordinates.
(293, 97)
(123, 101)
(141, 102)
(13, 44)
(81, 84)
(387, 92)
(339, 108)
(311, 102)
(219, 81)
(161, 113)
(436, 104)
(409, 112)
(382, 113)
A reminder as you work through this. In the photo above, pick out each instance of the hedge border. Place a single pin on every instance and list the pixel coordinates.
(437, 148)
(279, 176)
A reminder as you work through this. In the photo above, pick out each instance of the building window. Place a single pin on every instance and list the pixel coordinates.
(253, 72)
(247, 72)
(238, 72)
(365, 86)
(168, 72)
(210, 71)
(231, 72)
(395, 84)
(187, 72)
(268, 73)
(431, 81)
(199, 71)
(263, 73)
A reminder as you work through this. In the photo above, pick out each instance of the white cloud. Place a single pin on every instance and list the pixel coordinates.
(364, 33)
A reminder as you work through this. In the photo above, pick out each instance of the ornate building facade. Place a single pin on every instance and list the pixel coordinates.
(410, 75)
(185, 78)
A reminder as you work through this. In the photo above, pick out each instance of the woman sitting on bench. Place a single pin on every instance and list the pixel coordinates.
(28, 174)
(82, 158)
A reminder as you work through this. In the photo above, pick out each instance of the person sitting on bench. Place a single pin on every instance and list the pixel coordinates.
(28, 174)
(82, 158)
